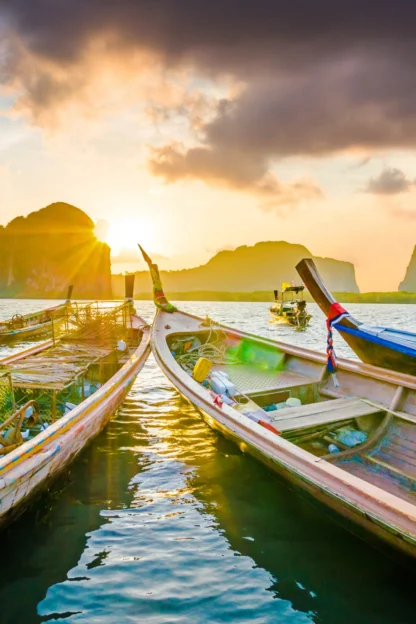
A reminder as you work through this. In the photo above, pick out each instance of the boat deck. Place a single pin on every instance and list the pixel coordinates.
(252, 380)
(57, 367)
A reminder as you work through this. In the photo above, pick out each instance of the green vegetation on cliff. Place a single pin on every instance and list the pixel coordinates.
(409, 282)
(263, 266)
(267, 296)
(41, 254)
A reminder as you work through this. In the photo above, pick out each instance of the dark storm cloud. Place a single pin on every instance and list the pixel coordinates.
(318, 77)
(307, 64)
(356, 102)
(230, 32)
(391, 181)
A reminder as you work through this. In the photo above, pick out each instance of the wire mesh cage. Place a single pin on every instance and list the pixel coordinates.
(7, 400)
(97, 322)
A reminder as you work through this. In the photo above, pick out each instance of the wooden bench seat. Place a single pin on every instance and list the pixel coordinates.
(326, 412)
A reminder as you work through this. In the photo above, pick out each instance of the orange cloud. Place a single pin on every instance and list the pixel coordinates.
(230, 169)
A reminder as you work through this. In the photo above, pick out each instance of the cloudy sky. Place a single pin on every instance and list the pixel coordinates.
(194, 126)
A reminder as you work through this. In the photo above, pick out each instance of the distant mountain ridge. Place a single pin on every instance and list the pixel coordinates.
(41, 254)
(409, 282)
(263, 266)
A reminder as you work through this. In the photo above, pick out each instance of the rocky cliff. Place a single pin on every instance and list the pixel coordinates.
(41, 254)
(409, 282)
(261, 267)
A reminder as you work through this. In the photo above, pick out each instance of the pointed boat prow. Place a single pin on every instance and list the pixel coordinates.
(311, 278)
(314, 283)
(381, 346)
(158, 295)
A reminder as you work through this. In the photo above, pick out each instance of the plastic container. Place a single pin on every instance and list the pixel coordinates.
(201, 369)
(68, 407)
(351, 437)
(332, 448)
(217, 384)
(29, 412)
(293, 402)
(226, 399)
(230, 387)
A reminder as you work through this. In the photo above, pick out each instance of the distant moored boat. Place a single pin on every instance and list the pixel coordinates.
(24, 326)
(292, 307)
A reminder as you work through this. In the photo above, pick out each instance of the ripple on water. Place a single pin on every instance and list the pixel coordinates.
(165, 521)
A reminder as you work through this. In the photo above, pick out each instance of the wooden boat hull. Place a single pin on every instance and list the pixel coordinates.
(29, 331)
(26, 332)
(378, 354)
(387, 518)
(286, 317)
(352, 517)
(30, 468)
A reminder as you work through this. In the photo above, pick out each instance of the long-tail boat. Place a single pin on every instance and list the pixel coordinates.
(24, 326)
(350, 445)
(292, 307)
(381, 346)
(56, 396)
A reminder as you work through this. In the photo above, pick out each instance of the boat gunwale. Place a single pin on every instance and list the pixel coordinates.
(387, 508)
(62, 425)
(33, 315)
(367, 370)
(28, 329)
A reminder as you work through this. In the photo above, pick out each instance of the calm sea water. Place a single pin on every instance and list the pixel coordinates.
(163, 521)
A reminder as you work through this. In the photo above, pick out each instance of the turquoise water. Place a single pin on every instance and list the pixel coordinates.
(163, 521)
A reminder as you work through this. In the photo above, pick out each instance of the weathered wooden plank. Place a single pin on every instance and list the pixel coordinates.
(291, 418)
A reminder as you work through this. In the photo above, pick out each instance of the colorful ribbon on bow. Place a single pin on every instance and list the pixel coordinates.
(335, 314)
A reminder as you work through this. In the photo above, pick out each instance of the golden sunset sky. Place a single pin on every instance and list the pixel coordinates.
(196, 126)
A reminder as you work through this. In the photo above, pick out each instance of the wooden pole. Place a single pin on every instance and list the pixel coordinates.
(53, 416)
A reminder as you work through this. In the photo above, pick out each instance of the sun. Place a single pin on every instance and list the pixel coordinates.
(125, 234)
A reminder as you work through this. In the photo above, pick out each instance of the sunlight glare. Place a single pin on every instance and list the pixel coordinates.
(125, 234)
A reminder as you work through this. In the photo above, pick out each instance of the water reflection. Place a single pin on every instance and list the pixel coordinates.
(162, 520)
(210, 535)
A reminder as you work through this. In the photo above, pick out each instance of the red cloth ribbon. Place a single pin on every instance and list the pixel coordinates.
(335, 310)
(217, 399)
